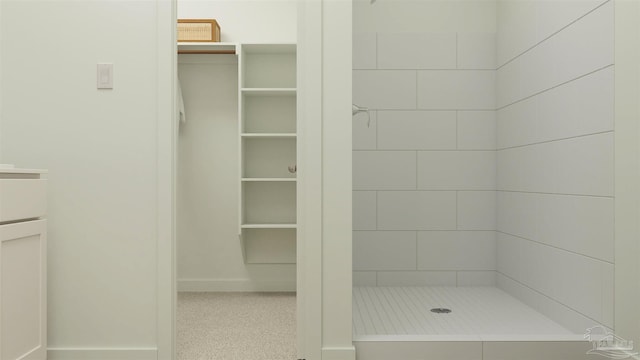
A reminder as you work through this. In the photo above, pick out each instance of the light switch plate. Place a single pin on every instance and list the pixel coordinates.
(105, 76)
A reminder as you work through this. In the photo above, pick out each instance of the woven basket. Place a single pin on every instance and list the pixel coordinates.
(198, 30)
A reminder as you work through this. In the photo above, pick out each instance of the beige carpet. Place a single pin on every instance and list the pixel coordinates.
(236, 326)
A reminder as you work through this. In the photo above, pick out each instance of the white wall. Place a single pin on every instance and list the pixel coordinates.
(424, 171)
(250, 21)
(555, 158)
(100, 149)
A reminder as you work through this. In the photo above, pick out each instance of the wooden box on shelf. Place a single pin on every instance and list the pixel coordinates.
(198, 30)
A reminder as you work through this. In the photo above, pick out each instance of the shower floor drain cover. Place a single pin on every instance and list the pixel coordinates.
(441, 310)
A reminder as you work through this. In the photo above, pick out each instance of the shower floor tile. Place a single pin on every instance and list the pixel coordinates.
(477, 314)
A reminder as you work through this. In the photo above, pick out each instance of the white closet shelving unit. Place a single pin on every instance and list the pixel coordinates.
(267, 128)
(267, 132)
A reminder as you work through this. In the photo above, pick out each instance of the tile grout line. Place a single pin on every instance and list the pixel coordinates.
(417, 89)
(498, 108)
(424, 231)
(457, 130)
(555, 247)
(457, 191)
(557, 140)
(472, 270)
(457, 45)
(422, 69)
(417, 166)
(548, 193)
(377, 47)
(435, 150)
(432, 110)
(376, 124)
(545, 295)
(377, 210)
(550, 36)
(416, 237)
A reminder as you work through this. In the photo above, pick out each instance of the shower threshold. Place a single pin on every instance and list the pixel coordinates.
(484, 323)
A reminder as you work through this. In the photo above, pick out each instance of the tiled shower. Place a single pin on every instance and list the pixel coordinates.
(487, 156)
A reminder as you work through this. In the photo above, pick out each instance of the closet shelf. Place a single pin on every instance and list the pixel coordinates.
(269, 179)
(268, 91)
(272, 48)
(269, 226)
(206, 48)
(269, 135)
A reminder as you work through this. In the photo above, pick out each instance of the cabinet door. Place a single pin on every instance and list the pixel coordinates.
(23, 291)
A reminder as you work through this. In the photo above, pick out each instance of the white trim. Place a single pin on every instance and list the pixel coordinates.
(165, 181)
(102, 354)
(309, 150)
(324, 176)
(336, 353)
(627, 170)
(336, 178)
(229, 285)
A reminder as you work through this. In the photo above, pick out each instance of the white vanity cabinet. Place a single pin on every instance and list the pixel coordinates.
(23, 265)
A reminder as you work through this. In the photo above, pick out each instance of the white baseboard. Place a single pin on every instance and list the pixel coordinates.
(228, 285)
(102, 354)
(339, 353)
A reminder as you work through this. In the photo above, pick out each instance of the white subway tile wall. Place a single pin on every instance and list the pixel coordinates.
(364, 51)
(384, 170)
(364, 210)
(416, 130)
(476, 278)
(456, 250)
(476, 210)
(364, 131)
(456, 89)
(488, 157)
(384, 250)
(416, 51)
(385, 89)
(456, 170)
(417, 278)
(416, 210)
(476, 130)
(555, 161)
(477, 51)
(424, 162)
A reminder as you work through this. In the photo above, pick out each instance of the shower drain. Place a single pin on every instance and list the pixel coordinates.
(440, 310)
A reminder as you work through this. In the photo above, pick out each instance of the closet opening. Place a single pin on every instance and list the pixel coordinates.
(236, 206)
